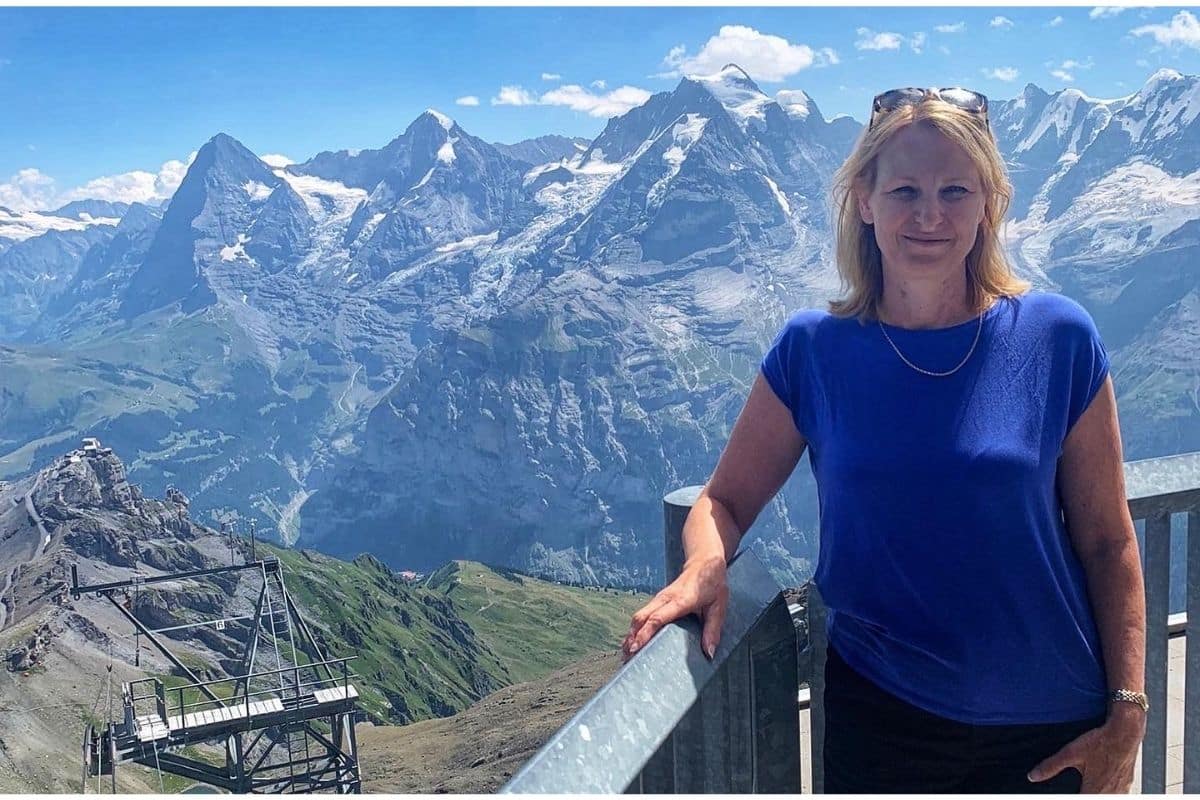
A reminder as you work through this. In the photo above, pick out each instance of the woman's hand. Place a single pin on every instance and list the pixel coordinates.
(1104, 756)
(701, 589)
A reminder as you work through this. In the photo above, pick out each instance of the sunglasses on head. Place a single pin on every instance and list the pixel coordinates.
(967, 100)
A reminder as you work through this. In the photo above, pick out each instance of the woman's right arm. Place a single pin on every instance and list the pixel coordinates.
(761, 453)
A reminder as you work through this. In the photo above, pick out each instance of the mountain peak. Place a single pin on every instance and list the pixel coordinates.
(441, 118)
(734, 89)
(233, 157)
(1033, 90)
(796, 103)
(1164, 75)
(731, 75)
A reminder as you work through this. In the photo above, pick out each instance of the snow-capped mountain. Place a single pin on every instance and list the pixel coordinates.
(448, 348)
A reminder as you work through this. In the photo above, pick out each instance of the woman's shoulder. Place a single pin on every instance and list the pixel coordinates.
(1055, 314)
(1053, 307)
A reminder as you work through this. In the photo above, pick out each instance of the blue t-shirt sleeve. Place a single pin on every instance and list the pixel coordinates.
(1088, 359)
(784, 366)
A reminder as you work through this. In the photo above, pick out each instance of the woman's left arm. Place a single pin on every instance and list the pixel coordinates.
(1091, 484)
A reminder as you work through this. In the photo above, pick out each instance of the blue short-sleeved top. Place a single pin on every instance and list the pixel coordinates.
(944, 558)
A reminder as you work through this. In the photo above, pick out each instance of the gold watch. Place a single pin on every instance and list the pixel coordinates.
(1129, 696)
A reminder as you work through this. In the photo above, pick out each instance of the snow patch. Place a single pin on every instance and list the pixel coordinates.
(794, 102)
(236, 251)
(445, 153)
(442, 119)
(737, 94)
(683, 135)
(470, 242)
(256, 190)
(783, 203)
(423, 180)
(339, 200)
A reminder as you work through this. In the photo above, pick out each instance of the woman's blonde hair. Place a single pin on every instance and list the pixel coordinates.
(859, 262)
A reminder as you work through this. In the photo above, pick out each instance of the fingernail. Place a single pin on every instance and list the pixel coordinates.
(709, 650)
(633, 648)
(1031, 777)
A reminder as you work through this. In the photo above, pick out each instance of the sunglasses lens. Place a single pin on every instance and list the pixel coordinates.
(963, 98)
(894, 98)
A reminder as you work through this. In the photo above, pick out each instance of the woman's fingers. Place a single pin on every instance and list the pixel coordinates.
(714, 618)
(701, 591)
(649, 620)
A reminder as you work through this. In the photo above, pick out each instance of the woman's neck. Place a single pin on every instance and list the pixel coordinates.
(924, 306)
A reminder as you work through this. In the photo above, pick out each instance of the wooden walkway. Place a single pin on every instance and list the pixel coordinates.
(151, 727)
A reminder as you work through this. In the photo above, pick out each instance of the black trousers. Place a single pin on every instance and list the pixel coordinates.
(876, 743)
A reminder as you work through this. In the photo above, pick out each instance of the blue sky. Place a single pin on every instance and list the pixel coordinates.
(120, 97)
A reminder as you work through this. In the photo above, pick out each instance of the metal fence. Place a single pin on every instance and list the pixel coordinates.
(671, 721)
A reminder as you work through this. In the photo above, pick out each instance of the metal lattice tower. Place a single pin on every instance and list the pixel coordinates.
(284, 729)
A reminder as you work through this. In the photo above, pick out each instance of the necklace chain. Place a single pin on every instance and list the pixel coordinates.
(966, 358)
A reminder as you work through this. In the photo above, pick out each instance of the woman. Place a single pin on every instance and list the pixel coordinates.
(978, 642)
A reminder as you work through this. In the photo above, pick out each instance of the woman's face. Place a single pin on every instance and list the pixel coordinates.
(926, 204)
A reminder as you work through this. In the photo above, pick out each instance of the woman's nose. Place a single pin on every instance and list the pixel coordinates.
(929, 211)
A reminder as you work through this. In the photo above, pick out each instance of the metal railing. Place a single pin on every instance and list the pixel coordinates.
(289, 691)
(671, 721)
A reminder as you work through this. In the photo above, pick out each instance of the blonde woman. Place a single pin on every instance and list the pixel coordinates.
(986, 614)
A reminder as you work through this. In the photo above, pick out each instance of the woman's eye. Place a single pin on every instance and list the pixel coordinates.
(956, 190)
(903, 191)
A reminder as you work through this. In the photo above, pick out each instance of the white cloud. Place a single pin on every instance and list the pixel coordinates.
(1054, 23)
(1002, 73)
(29, 190)
(870, 40)
(957, 27)
(599, 84)
(513, 96)
(32, 190)
(1062, 75)
(1183, 29)
(1141, 62)
(276, 160)
(917, 42)
(826, 57)
(1001, 22)
(944, 50)
(763, 56)
(1099, 12)
(577, 98)
(551, 76)
(469, 100)
(1071, 63)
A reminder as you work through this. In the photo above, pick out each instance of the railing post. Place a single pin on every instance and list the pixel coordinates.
(160, 700)
(819, 648)
(182, 715)
(676, 507)
(1191, 701)
(1157, 576)
(721, 744)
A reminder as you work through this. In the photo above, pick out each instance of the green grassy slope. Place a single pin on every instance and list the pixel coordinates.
(533, 626)
(432, 649)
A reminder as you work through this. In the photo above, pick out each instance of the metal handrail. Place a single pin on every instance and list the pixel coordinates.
(632, 735)
(669, 707)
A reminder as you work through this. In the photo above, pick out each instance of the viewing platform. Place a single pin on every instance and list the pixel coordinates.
(751, 719)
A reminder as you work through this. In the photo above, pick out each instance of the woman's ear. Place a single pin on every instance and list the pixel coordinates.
(862, 199)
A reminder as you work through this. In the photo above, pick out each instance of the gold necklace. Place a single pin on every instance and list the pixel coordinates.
(966, 358)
